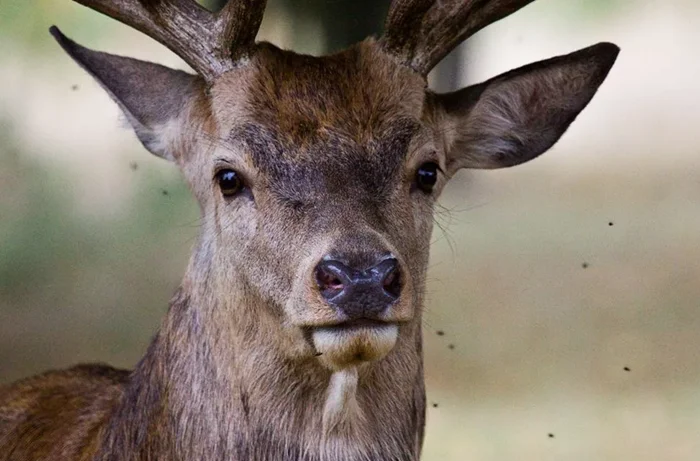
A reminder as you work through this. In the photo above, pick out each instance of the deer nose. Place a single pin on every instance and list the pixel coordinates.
(359, 293)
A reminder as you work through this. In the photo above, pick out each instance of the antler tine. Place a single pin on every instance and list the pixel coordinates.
(239, 21)
(210, 44)
(422, 32)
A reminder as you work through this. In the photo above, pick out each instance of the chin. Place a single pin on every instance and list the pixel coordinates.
(350, 346)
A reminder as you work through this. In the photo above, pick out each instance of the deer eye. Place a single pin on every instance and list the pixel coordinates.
(229, 182)
(427, 176)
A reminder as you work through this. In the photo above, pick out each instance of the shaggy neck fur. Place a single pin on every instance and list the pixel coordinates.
(214, 389)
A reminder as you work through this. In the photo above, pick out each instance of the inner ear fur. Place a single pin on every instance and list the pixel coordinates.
(151, 96)
(518, 115)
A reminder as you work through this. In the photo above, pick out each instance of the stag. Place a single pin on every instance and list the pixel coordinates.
(296, 331)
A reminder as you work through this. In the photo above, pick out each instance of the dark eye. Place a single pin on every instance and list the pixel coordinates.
(427, 176)
(229, 182)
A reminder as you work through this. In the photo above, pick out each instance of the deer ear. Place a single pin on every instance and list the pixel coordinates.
(517, 116)
(151, 96)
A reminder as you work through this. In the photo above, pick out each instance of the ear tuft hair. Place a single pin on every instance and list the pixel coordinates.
(519, 115)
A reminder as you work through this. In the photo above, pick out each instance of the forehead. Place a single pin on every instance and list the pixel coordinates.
(332, 164)
(354, 112)
(359, 96)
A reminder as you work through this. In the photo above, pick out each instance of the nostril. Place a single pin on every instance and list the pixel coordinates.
(358, 292)
(328, 280)
(392, 280)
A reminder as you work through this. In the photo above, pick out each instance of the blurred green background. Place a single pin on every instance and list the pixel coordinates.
(564, 297)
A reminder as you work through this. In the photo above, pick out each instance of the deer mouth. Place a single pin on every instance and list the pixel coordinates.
(359, 324)
(354, 342)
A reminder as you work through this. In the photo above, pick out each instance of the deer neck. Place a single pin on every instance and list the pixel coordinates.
(213, 388)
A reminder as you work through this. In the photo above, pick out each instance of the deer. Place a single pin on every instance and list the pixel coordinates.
(296, 333)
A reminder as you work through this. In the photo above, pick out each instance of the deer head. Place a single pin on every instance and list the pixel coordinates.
(317, 176)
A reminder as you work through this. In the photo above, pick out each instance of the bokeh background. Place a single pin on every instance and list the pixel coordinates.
(564, 298)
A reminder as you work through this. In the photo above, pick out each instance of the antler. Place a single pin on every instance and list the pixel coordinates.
(211, 43)
(422, 32)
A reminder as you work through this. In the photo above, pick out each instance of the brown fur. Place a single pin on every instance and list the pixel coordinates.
(246, 366)
(57, 415)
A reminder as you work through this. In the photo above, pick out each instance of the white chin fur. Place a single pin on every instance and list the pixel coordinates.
(343, 348)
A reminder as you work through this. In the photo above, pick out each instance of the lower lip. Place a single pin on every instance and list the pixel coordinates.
(357, 325)
(351, 343)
